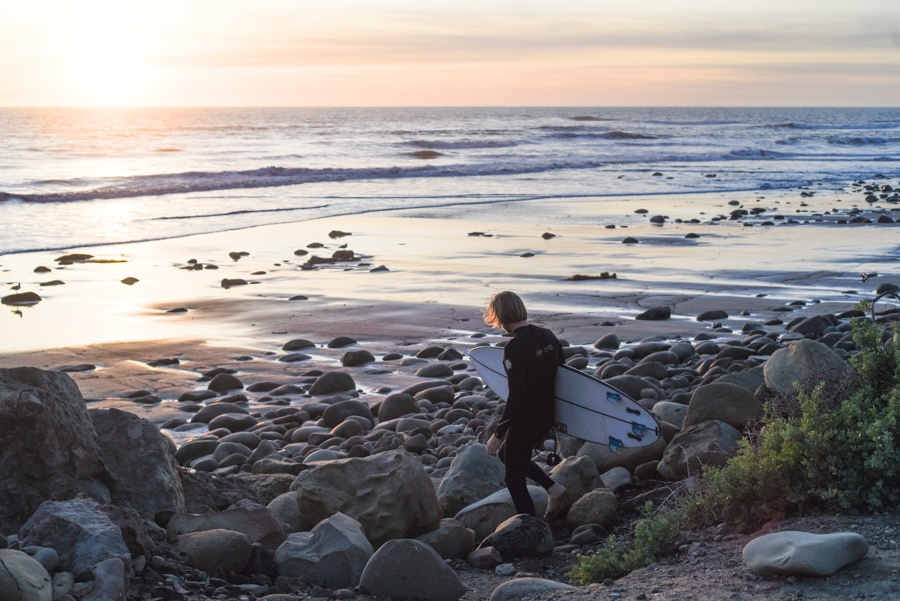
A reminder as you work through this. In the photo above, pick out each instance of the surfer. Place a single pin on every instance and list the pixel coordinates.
(531, 360)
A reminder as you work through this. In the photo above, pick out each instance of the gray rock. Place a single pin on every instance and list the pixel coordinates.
(730, 403)
(408, 568)
(256, 522)
(608, 342)
(605, 458)
(617, 479)
(710, 443)
(751, 379)
(332, 555)
(485, 515)
(284, 507)
(335, 414)
(587, 534)
(222, 383)
(48, 447)
(233, 422)
(142, 460)
(206, 414)
(487, 558)
(806, 363)
(218, 548)
(22, 578)
(451, 540)
(110, 582)
(435, 370)
(655, 314)
(472, 476)
(397, 405)
(356, 358)
(522, 535)
(81, 533)
(670, 412)
(527, 588)
(597, 507)
(794, 553)
(388, 493)
(332, 382)
(579, 476)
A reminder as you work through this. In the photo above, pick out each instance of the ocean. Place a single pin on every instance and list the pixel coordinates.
(76, 178)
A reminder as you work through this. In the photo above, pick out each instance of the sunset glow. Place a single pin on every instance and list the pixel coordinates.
(397, 52)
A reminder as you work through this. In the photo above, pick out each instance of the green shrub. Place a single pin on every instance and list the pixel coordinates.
(653, 537)
(835, 453)
(828, 449)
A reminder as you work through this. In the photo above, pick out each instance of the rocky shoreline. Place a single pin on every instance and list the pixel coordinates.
(311, 486)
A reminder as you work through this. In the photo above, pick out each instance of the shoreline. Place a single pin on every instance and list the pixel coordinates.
(419, 277)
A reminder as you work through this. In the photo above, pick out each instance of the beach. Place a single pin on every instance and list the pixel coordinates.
(419, 278)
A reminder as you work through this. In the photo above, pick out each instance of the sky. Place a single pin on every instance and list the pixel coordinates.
(449, 53)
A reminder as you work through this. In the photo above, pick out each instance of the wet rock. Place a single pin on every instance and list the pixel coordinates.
(332, 382)
(21, 299)
(357, 358)
(655, 314)
(223, 383)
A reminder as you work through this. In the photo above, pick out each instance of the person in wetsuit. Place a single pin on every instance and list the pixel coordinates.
(531, 360)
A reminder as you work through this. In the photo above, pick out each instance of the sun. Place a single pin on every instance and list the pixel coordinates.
(104, 67)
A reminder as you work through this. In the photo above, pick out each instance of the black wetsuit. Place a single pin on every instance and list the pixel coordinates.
(531, 359)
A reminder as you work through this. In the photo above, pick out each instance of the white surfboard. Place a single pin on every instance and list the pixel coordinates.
(586, 407)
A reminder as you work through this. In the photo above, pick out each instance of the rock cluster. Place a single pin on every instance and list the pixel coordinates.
(290, 488)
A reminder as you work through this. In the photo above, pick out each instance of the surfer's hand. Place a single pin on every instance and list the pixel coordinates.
(493, 445)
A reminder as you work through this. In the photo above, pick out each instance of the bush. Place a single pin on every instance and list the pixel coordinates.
(654, 536)
(833, 449)
(836, 454)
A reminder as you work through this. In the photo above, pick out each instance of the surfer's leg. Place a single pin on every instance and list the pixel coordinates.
(516, 455)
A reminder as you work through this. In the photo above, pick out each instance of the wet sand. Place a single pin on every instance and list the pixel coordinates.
(420, 278)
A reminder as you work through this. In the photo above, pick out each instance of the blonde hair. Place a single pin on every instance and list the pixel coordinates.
(505, 308)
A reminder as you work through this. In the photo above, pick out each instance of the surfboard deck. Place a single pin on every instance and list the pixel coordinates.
(586, 407)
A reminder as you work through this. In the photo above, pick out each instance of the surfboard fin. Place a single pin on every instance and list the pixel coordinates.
(615, 444)
(613, 397)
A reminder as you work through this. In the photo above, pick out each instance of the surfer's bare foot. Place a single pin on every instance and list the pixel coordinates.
(555, 497)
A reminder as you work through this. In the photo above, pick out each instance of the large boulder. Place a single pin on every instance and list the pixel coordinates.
(794, 553)
(397, 405)
(522, 535)
(804, 363)
(730, 403)
(410, 569)
(48, 447)
(142, 460)
(605, 458)
(579, 476)
(23, 578)
(257, 522)
(80, 532)
(710, 443)
(389, 493)
(473, 475)
(332, 555)
(485, 515)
